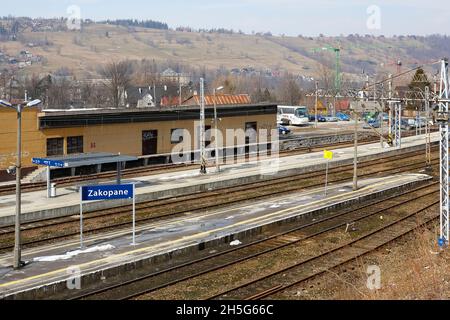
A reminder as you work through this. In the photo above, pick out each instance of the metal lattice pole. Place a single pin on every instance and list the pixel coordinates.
(202, 128)
(444, 166)
(391, 122)
(427, 128)
(398, 125)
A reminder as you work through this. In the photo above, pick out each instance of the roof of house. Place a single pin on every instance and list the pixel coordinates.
(221, 99)
(169, 73)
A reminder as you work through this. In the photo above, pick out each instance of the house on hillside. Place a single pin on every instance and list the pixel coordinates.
(145, 97)
(169, 75)
(342, 105)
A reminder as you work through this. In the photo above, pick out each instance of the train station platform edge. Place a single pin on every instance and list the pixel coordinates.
(36, 206)
(50, 267)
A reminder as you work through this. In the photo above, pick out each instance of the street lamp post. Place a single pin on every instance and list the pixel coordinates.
(355, 158)
(17, 263)
(315, 106)
(216, 133)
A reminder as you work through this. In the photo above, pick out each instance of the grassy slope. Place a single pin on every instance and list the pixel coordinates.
(84, 51)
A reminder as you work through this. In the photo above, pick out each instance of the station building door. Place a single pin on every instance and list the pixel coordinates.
(149, 142)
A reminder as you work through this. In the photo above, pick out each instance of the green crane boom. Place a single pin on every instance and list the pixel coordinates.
(337, 78)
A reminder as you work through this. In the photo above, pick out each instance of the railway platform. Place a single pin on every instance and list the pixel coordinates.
(36, 205)
(50, 268)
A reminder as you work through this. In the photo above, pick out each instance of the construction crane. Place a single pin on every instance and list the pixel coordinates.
(397, 63)
(400, 63)
(337, 78)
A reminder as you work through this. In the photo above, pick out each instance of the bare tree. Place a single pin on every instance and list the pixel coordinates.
(60, 93)
(290, 92)
(119, 79)
(37, 86)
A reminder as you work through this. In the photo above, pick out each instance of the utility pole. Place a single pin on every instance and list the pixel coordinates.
(444, 165)
(216, 132)
(17, 242)
(154, 94)
(202, 127)
(398, 124)
(427, 129)
(390, 106)
(17, 263)
(179, 83)
(315, 106)
(374, 90)
(355, 158)
(367, 87)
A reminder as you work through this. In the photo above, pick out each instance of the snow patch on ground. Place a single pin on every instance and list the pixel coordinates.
(72, 254)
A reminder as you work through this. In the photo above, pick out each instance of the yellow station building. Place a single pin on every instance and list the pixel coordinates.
(137, 132)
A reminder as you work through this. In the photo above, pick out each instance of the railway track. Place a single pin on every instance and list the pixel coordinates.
(70, 181)
(146, 285)
(353, 250)
(154, 169)
(60, 228)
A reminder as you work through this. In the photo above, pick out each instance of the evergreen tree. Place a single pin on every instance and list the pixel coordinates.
(267, 96)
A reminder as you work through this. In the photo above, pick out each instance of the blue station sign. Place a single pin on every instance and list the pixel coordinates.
(107, 192)
(48, 163)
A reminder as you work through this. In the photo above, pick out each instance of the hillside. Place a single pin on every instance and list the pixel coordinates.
(96, 44)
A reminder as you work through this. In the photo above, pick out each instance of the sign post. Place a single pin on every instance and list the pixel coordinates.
(134, 215)
(108, 192)
(81, 217)
(49, 164)
(329, 156)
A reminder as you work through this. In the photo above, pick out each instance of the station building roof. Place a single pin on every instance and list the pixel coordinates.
(89, 159)
(86, 117)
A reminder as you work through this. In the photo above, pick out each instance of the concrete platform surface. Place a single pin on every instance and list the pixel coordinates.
(49, 264)
(36, 206)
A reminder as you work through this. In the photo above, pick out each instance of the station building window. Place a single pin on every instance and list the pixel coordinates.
(74, 145)
(55, 147)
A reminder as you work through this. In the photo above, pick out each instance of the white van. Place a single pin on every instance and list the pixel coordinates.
(292, 116)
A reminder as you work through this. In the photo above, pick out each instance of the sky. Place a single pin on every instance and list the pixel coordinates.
(289, 17)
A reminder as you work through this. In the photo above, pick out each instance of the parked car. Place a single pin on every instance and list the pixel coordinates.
(320, 118)
(372, 124)
(283, 130)
(385, 117)
(342, 116)
(408, 124)
(331, 119)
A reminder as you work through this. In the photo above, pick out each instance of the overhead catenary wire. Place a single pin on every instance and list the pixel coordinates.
(400, 74)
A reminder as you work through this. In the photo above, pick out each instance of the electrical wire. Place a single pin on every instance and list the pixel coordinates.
(401, 74)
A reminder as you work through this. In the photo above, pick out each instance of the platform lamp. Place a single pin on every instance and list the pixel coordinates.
(215, 129)
(17, 245)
